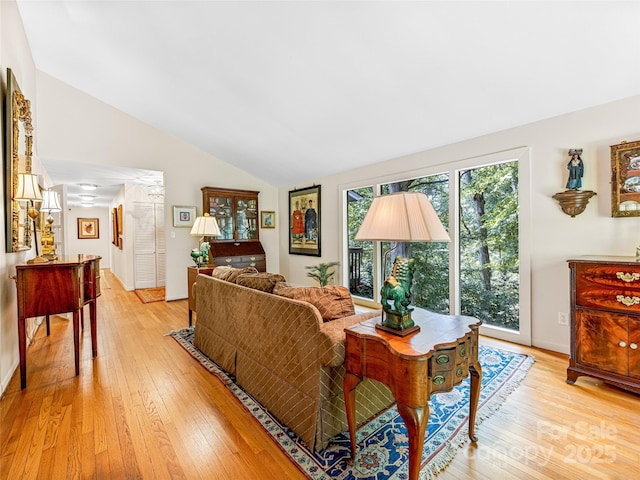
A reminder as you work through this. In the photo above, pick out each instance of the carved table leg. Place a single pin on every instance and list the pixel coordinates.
(416, 421)
(76, 339)
(22, 346)
(475, 371)
(94, 328)
(350, 383)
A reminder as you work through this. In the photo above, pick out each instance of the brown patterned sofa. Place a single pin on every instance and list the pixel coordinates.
(284, 354)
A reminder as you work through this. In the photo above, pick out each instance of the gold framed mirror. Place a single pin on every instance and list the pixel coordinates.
(625, 179)
(18, 148)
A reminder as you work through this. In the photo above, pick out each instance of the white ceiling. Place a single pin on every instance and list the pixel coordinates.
(291, 91)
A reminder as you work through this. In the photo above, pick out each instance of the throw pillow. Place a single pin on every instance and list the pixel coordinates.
(332, 302)
(263, 281)
(229, 274)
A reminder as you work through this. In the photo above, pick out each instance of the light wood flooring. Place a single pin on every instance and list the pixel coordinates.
(145, 409)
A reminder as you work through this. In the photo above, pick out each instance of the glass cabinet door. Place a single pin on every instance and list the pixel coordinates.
(247, 218)
(222, 209)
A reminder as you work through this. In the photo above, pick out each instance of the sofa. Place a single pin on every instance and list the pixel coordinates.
(282, 351)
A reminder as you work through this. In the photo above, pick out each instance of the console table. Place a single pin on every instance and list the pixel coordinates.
(192, 274)
(60, 286)
(436, 358)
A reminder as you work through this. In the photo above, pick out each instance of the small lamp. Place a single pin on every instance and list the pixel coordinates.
(400, 217)
(29, 191)
(205, 226)
(50, 204)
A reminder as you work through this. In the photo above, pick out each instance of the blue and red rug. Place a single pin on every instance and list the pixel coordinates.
(382, 441)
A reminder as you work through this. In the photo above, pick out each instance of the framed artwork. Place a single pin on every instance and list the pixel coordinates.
(625, 179)
(114, 222)
(88, 228)
(267, 219)
(184, 216)
(304, 221)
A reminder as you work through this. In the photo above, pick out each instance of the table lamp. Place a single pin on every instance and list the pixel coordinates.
(205, 226)
(29, 191)
(400, 217)
(50, 204)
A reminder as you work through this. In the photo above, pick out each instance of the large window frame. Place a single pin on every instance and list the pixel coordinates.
(453, 169)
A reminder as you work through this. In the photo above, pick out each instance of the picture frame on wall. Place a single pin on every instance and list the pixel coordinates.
(88, 228)
(625, 179)
(184, 216)
(304, 221)
(267, 219)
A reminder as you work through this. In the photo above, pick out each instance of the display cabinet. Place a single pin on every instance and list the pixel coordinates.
(605, 320)
(236, 212)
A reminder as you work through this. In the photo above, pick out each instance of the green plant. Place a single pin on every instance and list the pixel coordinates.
(322, 272)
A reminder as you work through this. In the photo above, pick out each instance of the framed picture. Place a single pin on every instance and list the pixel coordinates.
(304, 221)
(114, 218)
(267, 219)
(184, 216)
(88, 228)
(625, 179)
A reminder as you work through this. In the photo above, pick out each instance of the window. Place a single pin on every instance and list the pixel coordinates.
(484, 271)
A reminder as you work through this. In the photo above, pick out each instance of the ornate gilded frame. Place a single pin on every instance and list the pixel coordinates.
(625, 179)
(17, 110)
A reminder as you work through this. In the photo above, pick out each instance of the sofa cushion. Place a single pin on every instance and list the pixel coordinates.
(230, 274)
(332, 302)
(263, 281)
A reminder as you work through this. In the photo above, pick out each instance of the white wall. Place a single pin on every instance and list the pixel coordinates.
(89, 246)
(14, 54)
(76, 127)
(556, 237)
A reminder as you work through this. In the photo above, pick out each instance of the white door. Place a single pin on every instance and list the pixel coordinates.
(148, 258)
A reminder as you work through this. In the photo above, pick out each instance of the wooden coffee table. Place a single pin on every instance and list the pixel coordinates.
(435, 359)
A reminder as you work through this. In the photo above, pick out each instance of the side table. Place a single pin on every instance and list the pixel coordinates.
(192, 273)
(436, 358)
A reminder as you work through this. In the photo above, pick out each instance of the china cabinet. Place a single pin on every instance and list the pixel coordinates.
(236, 212)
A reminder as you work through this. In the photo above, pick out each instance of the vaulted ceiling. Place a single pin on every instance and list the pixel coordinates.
(291, 91)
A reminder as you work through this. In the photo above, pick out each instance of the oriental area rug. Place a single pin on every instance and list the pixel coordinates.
(148, 295)
(383, 443)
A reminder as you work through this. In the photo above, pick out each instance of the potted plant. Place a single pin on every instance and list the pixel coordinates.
(322, 272)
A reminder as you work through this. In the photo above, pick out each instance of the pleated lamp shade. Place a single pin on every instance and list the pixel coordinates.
(402, 217)
(50, 202)
(28, 188)
(205, 226)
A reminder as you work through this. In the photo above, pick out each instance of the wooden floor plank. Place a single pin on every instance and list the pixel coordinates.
(145, 409)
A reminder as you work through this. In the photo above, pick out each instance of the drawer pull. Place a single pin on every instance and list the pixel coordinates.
(628, 301)
(628, 277)
(459, 372)
(622, 344)
(252, 264)
(633, 346)
(439, 379)
(253, 258)
(442, 359)
(229, 260)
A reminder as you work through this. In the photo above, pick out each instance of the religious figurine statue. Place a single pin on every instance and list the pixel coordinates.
(396, 295)
(576, 169)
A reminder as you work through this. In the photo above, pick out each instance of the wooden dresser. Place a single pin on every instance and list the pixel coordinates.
(605, 320)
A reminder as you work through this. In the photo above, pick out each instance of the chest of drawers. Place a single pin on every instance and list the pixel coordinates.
(605, 321)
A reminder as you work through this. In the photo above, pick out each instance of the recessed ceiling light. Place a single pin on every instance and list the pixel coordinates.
(88, 186)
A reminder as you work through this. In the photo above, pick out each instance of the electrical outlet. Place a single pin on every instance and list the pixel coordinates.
(563, 318)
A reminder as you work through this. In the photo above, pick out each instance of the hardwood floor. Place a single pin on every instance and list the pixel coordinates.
(145, 409)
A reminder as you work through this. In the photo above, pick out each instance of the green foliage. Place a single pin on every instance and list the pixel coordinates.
(322, 272)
